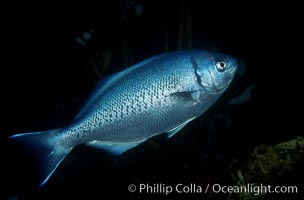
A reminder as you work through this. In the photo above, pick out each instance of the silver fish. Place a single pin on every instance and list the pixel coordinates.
(159, 95)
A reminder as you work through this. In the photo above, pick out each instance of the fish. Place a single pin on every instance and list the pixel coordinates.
(160, 95)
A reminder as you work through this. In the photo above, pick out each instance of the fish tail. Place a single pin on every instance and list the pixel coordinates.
(47, 151)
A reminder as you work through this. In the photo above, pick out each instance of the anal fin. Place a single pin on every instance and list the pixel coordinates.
(178, 128)
(115, 148)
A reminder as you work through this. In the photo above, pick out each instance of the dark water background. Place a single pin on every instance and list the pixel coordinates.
(46, 76)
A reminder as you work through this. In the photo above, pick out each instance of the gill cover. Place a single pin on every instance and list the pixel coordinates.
(214, 70)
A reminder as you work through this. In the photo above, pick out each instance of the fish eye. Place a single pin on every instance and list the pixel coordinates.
(220, 65)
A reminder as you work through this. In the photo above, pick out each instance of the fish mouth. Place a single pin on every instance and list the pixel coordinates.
(234, 68)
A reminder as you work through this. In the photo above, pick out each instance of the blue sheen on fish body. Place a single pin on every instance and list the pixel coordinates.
(159, 95)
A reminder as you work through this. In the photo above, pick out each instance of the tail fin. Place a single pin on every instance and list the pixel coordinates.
(48, 153)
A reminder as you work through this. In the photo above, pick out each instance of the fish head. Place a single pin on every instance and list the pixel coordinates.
(215, 71)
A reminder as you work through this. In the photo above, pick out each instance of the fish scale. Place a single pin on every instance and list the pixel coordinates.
(159, 95)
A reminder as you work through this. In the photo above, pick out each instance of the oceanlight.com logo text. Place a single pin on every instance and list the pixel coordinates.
(254, 189)
(193, 188)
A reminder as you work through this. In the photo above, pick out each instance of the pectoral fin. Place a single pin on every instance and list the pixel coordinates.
(114, 148)
(178, 128)
(196, 96)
